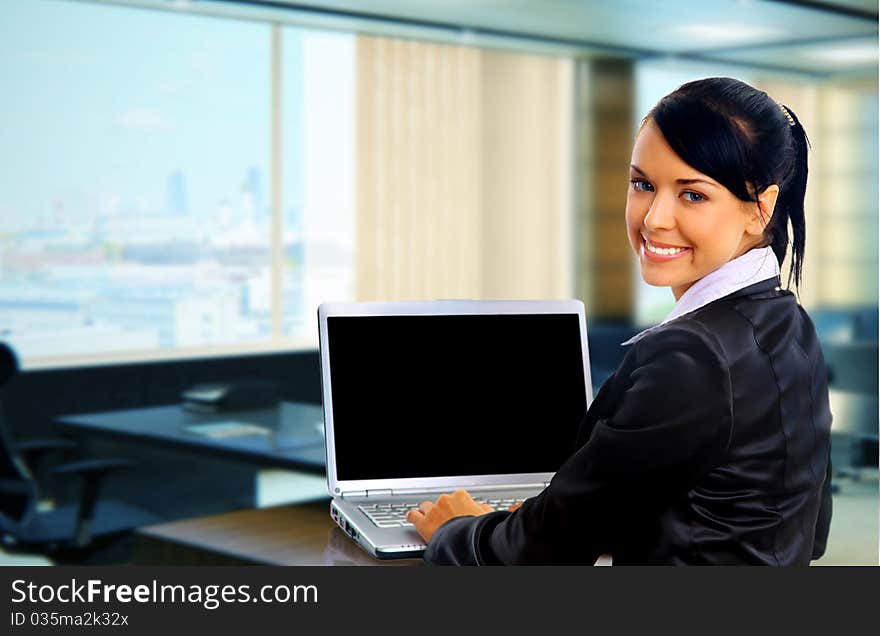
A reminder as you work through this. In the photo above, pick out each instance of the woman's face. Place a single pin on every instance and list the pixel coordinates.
(681, 223)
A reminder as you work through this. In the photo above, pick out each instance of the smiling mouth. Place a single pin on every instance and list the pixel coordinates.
(663, 252)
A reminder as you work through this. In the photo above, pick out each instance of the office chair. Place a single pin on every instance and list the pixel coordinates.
(84, 532)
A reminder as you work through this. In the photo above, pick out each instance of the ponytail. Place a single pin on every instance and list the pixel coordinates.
(790, 205)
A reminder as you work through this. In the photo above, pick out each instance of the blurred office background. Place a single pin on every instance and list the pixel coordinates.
(184, 181)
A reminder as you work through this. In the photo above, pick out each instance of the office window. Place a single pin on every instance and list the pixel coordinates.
(185, 184)
(319, 172)
(136, 186)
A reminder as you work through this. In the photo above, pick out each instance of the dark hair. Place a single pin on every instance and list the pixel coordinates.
(742, 138)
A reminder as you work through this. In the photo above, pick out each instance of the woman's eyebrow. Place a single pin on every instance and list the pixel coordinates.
(688, 181)
(679, 181)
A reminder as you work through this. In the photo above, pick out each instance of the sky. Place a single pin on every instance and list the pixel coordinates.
(110, 101)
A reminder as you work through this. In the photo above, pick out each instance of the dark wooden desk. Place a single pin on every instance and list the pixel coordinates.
(301, 534)
(293, 435)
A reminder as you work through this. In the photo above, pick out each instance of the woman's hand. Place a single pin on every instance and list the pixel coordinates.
(430, 516)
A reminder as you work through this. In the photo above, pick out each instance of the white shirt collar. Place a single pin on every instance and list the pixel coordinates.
(750, 268)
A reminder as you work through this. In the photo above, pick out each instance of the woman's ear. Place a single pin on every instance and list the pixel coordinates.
(763, 211)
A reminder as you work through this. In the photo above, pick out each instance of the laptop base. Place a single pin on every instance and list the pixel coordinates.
(399, 542)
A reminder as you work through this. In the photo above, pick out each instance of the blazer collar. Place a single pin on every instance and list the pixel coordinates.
(755, 267)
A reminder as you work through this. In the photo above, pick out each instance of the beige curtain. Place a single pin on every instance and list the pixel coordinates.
(463, 172)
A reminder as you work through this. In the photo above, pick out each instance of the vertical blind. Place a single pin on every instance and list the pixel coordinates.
(463, 172)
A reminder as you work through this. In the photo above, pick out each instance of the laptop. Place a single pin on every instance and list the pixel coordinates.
(424, 398)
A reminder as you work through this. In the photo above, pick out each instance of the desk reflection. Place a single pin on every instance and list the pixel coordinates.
(300, 534)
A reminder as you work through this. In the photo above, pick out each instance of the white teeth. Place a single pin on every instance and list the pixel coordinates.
(663, 251)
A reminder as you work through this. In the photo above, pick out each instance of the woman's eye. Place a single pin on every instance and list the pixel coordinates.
(693, 197)
(640, 185)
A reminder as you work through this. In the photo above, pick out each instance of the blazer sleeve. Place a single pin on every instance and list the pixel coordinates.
(823, 522)
(670, 425)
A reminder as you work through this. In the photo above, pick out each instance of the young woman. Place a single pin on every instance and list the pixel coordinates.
(710, 443)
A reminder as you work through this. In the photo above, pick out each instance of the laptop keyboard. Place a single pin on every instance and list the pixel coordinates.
(393, 515)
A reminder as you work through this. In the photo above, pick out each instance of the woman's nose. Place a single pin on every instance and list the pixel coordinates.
(661, 215)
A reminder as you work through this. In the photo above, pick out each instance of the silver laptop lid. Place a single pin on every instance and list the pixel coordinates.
(449, 394)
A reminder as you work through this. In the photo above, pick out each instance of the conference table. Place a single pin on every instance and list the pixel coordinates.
(289, 435)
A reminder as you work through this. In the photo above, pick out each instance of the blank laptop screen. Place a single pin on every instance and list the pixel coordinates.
(435, 396)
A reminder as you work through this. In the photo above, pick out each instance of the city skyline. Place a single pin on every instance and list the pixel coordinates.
(84, 127)
(134, 209)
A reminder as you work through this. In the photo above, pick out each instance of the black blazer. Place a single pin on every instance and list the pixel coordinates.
(709, 445)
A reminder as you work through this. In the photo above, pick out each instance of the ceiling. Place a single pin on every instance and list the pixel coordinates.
(813, 37)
